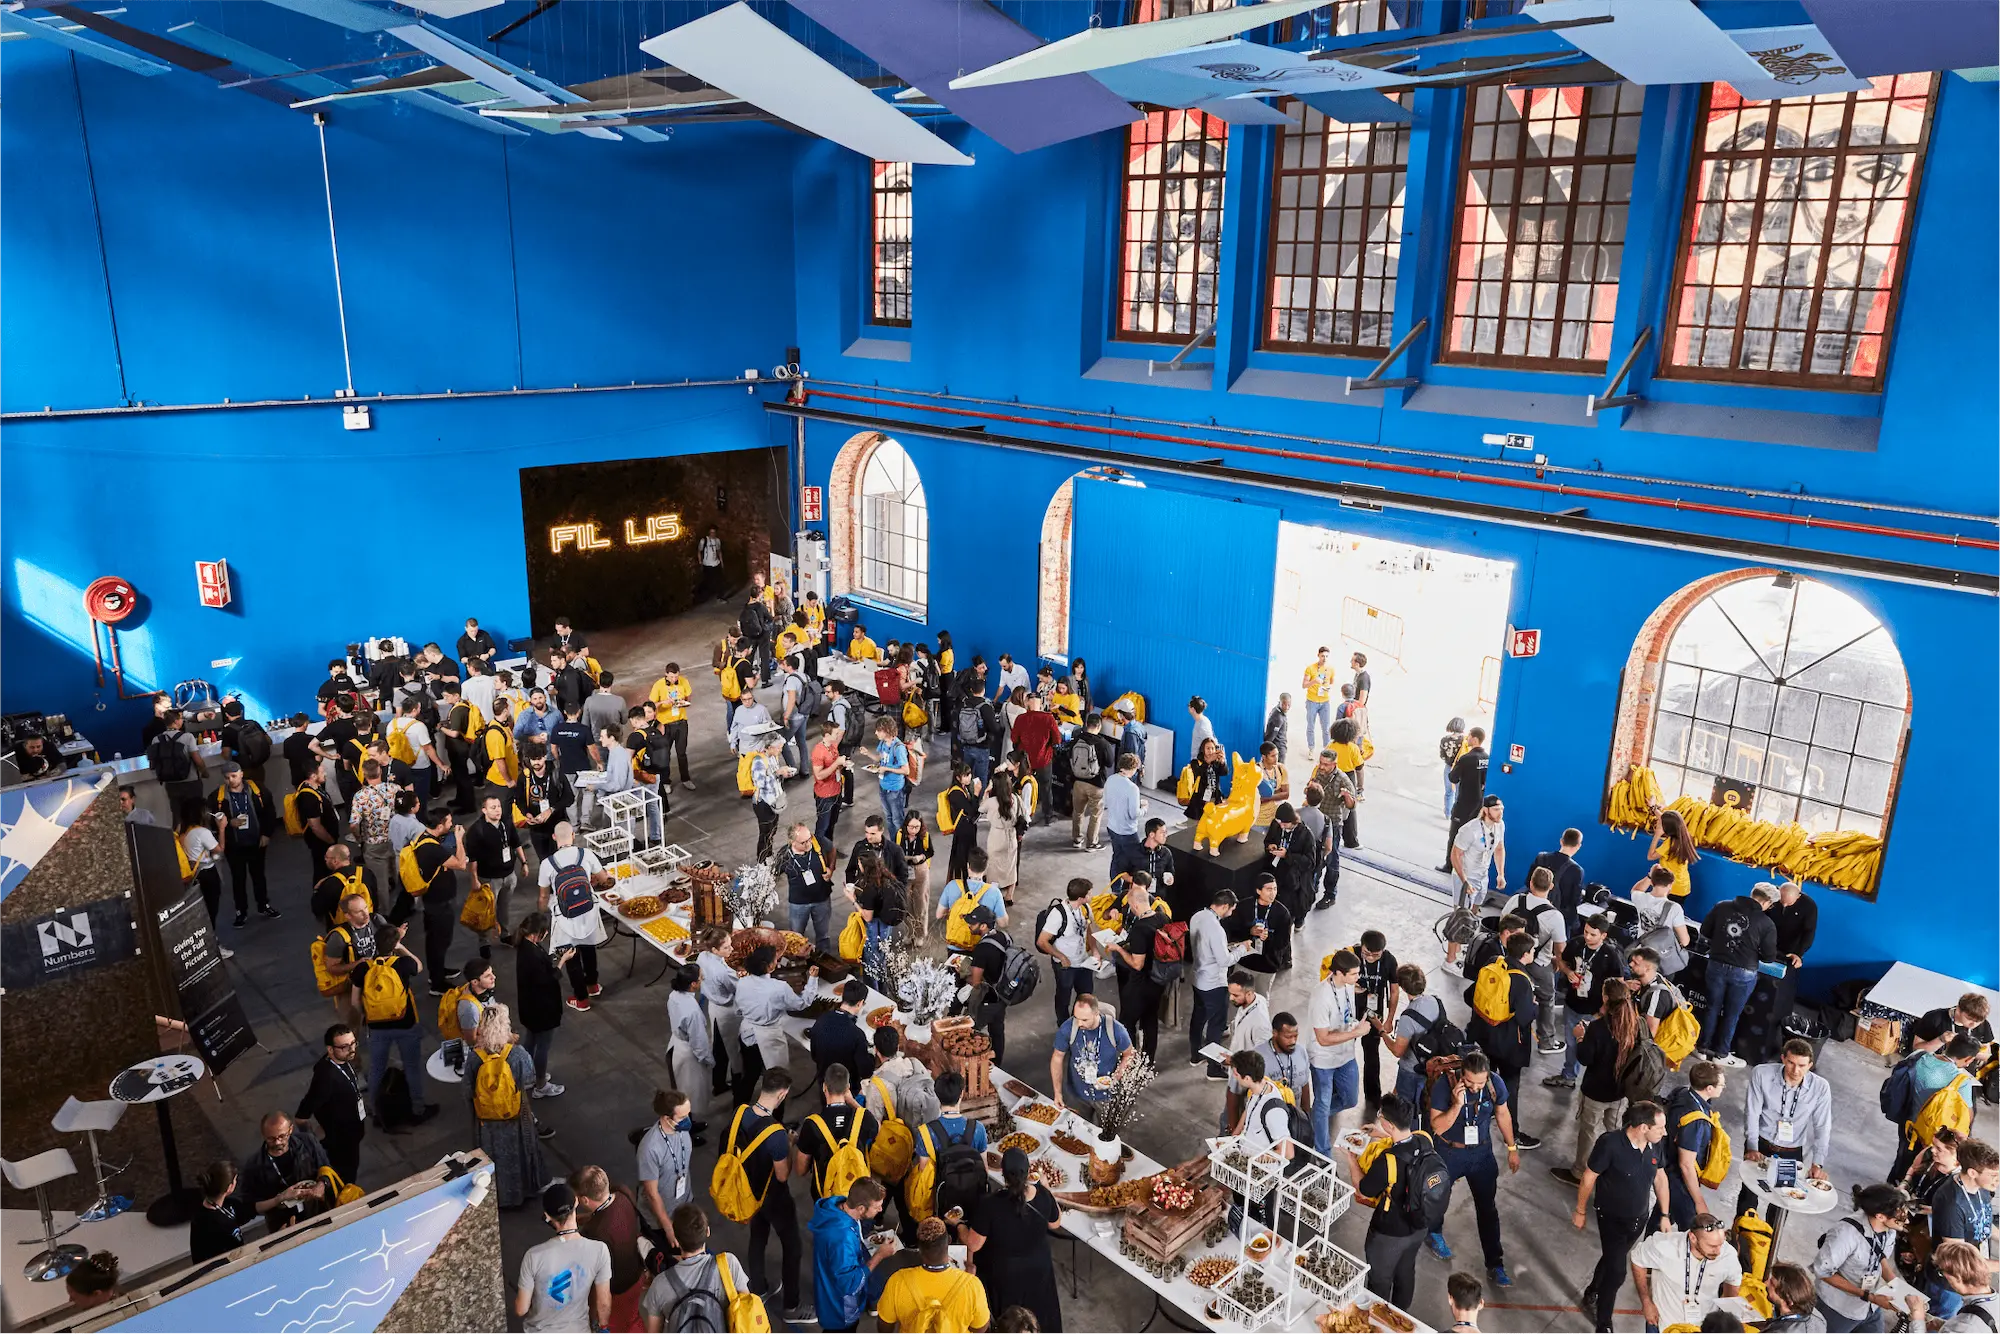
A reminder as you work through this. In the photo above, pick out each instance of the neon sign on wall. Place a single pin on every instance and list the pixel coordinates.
(584, 536)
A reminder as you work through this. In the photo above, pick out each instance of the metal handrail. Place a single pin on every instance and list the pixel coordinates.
(1611, 398)
(1374, 380)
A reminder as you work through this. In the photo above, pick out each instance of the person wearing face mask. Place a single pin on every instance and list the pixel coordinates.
(565, 1282)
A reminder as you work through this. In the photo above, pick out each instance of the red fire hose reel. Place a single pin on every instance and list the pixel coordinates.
(110, 600)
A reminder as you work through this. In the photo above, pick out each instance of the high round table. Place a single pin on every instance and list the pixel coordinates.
(155, 1081)
(1757, 1180)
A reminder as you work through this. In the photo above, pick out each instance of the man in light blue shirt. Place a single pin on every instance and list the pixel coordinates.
(1209, 945)
(751, 719)
(1124, 808)
(892, 760)
(537, 718)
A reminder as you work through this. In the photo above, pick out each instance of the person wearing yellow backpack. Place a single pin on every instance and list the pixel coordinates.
(965, 892)
(843, 1263)
(389, 1003)
(1939, 1094)
(1695, 1142)
(1503, 1020)
(831, 1148)
(337, 957)
(754, 1169)
(343, 877)
(1390, 1179)
(933, 1294)
(699, 1289)
(497, 1079)
(459, 724)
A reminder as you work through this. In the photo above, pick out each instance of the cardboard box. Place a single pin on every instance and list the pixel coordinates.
(1883, 1036)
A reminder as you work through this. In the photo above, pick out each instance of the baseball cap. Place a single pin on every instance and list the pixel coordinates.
(981, 916)
(1490, 800)
(559, 1201)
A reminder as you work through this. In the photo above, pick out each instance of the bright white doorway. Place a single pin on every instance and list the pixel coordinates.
(1433, 624)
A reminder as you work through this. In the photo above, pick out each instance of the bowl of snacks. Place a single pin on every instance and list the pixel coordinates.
(1259, 1246)
(881, 1015)
(1041, 1113)
(1207, 1272)
(1022, 1140)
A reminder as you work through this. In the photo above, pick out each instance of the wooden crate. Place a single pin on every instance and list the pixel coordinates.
(1163, 1236)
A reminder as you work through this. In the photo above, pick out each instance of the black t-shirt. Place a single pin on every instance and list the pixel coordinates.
(1625, 1174)
(1372, 989)
(154, 726)
(330, 889)
(757, 1166)
(989, 956)
(491, 847)
(408, 968)
(884, 902)
(1363, 684)
(1596, 966)
(336, 734)
(1469, 773)
(1598, 1054)
(571, 738)
(806, 876)
(840, 1120)
(475, 645)
(1388, 1219)
(297, 751)
(1139, 940)
(213, 1232)
(313, 804)
(432, 854)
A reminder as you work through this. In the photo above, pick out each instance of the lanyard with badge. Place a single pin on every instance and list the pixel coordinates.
(1475, 1117)
(1787, 1111)
(360, 1106)
(1373, 985)
(1691, 1277)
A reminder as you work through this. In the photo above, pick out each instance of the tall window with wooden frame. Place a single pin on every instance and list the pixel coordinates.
(1540, 232)
(889, 267)
(1797, 230)
(1170, 235)
(1336, 233)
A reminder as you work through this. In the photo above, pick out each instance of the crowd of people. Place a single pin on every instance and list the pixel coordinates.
(444, 791)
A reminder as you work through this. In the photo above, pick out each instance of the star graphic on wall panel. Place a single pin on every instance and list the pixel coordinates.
(32, 819)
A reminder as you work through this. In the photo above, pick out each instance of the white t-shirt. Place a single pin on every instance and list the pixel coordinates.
(1685, 1287)
(480, 690)
(1478, 839)
(1548, 920)
(1066, 924)
(419, 736)
(1331, 1007)
(587, 929)
(199, 844)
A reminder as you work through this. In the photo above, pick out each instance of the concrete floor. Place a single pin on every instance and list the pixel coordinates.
(610, 1058)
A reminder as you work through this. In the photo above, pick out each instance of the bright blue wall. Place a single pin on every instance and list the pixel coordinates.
(1011, 302)
(470, 263)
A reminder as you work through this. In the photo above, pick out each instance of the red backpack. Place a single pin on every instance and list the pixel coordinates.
(1169, 955)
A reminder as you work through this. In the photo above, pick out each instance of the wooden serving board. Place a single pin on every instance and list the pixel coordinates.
(1164, 1235)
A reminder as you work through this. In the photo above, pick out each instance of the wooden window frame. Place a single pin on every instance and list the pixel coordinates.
(1125, 277)
(1699, 162)
(1519, 164)
(877, 269)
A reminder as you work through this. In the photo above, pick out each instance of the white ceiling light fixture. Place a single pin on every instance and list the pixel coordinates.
(1103, 48)
(740, 52)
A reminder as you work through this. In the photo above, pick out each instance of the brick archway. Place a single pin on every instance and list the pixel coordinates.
(843, 509)
(1052, 602)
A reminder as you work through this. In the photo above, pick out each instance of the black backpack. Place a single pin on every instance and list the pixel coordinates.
(393, 1104)
(1042, 917)
(851, 723)
(659, 751)
(251, 743)
(961, 1172)
(1018, 975)
(570, 889)
(169, 758)
(1439, 1037)
(1427, 1188)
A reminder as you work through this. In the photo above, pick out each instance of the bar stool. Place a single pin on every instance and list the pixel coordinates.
(92, 1119)
(35, 1174)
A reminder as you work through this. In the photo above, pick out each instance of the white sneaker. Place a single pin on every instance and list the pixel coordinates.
(225, 952)
(1733, 1061)
(1077, 844)
(548, 1089)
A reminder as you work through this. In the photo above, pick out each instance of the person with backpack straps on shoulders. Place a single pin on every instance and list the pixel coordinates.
(248, 819)
(699, 1290)
(831, 1148)
(1936, 1090)
(1694, 1140)
(1586, 964)
(1266, 1128)
(569, 877)
(1855, 1264)
(1626, 1172)
(389, 1003)
(1620, 1064)
(1420, 1032)
(1566, 877)
(1089, 1047)
(948, 1167)
(1503, 1018)
(752, 1183)
(1286, 1067)
(1961, 1209)
(1399, 1177)
(176, 761)
(1140, 985)
(1091, 759)
(1062, 931)
(1466, 1108)
(1002, 975)
(933, 1294)
(427, 868)
(1548, 924)
(1964, 1270)
(1787, 1113)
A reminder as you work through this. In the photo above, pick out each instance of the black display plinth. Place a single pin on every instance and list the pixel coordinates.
(1197, 875)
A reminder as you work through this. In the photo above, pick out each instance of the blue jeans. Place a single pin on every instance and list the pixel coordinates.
(895, 803)
(1334, 1091)
(795, 739)
(980, 760)
(538, 1049)
(818, 916)
(1729, 991)
(871, 952)
(1409, 1083)
(410, 1042)
(1572, 1070)
(826, 814)
(1209, 1023)
(1128, 853)
(1450, 792)
(1071, 983)
(1320, 712)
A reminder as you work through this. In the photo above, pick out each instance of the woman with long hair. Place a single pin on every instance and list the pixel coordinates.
(1673, 847)
(1206, 779)
(1002, 811)
(512, 1142)
(204, 855)
(1008, 1239)
(1079, 681)
(913, 840)
(1602, 1048)
(879, 901)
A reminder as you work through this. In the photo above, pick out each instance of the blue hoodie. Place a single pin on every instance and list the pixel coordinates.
(840, 1265)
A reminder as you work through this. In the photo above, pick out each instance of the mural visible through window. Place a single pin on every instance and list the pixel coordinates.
(1336, 232)
(1788, 688)
(1171, 233)
(1797, 229)
(1541, 225)
(889, 255)
(895, 528)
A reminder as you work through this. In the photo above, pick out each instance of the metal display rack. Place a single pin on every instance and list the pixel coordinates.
(1311, 1194)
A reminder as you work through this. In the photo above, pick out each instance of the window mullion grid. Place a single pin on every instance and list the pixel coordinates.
(1746, 281)
(1838, 181)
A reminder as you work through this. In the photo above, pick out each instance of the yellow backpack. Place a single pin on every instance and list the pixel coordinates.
(853, 937)
(341, 1192)
(181, 856)
(913, 714)
(1946, 1109)
(889, 1156)
(946, 821)
(1492, 994)
(1366, 1159)
(847, 1165)
(384, 996)
(957, 933)
(744, 782)
(729, 1184)
(742, 1312)
(496, 1095)
(401, 749)
(1753, 1251)
(920, 1185)
(478, 912)
(407, 870)
(1678, 1034)
(295, 824)
(354, 882)
(329, 985)
(1715, 1167)
(732, 689)
(448, 1028)
(1184, 789)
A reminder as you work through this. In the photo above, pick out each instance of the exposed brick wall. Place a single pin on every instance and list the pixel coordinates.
(1052, 602)
(843, 510)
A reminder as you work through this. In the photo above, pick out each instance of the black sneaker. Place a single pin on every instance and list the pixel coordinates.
(242, 918)
(266, 910)
(1523, 1140)
(1566, 1175)
(1326, 901)
(545, 1131)
(430, 1110)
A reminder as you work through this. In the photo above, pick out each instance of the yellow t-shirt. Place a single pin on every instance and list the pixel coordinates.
(1660, 853)
(503, 762)
(1068, 707)
(1348, 757)
(944, 660)
(791, 639)
(1318, 682)
(815, 616)
(670, 700)
(909, 1293)
(862, 649)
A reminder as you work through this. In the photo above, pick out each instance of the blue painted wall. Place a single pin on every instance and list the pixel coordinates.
(470, 263)
(1012, 288)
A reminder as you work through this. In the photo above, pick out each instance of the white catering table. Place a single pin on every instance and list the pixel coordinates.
(1908, 989)
(857, 676)
(1820, 1197)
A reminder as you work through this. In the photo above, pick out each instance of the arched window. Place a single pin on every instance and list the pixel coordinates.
(1780, 688)
(1052, 611)
(881, 525)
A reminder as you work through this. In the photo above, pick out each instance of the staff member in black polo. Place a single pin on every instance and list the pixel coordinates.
(333, 1099)
(439, 856)
(1465, 1109)
(1630, 1167)
(1394, 1238)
